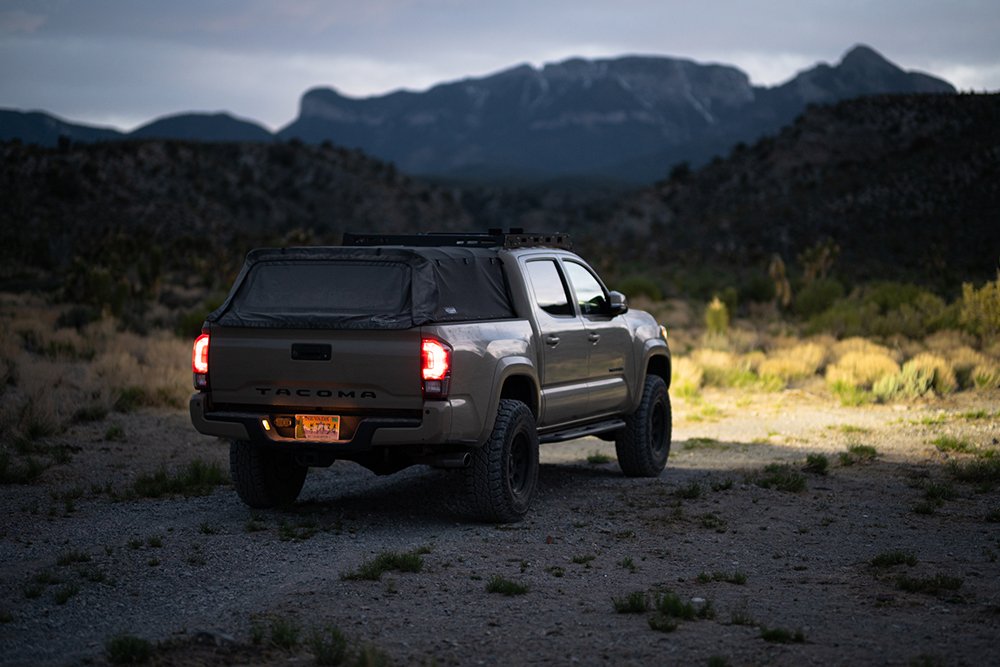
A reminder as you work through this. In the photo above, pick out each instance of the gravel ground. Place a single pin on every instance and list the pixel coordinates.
(196, 575)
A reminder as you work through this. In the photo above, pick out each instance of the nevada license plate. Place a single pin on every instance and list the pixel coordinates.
(317, 427)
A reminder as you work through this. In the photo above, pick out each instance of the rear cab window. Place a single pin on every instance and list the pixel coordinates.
(549, 288)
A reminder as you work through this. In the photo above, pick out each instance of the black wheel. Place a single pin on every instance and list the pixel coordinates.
(644, 444)
(264, 477)
(502, 476)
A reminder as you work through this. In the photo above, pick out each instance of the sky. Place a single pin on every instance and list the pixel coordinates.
(122, 63)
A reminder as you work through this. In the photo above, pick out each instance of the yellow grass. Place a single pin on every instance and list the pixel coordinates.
(934, 367)
(794, 363)
(862, 369)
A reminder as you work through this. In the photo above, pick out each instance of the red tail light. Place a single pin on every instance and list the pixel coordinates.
(435, 368)
(199, 361)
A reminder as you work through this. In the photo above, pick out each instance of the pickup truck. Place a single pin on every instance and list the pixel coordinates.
(452, 350)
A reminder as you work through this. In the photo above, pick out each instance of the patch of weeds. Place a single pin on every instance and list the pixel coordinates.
(90, 413)
(115, 433)
(781, 477)
(718, 661)
(628, 564)
(895, 557)
(498, 584)
(285, 633)
(72, 556)
(155, 541)
(850, 395)
(328, 646)
(153, 562)
(371, 656)
(741, 615)
(929, 585)
(597, 458)
(129, 398)
(196, 557)
(984, 471)
(135, 543)
(583, 560)
(993, 516)
(979, 414)
(625, 535)
(207, 529)
(925, 507)
(198, 478)
(950, 444)
(713, 521)
(689, 492)
(257, 632)
(636, 602)
(782, 636)
(851, 429)
(32, 590)
(386, 561)
(671, 605)
(858, 454)
(816, 464)
(254, 524)
(63, 594)
(704, 443)
(556, 571)
(297, 532)
(6, 617)
(662, 623)
(722, 485)
(935, 420)
(938, 492)
(128, 649)
(92, 574)
(735, 577)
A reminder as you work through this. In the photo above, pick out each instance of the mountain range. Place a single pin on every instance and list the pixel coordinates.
(628, 119)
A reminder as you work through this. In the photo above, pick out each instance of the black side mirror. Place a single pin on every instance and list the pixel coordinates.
(617, 303)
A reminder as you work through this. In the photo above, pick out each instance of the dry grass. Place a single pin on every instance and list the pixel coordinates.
(794, 363)
(862, 368)
(862, 346)
(936, 369)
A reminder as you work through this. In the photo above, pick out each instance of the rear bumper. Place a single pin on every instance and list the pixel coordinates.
(433, 427)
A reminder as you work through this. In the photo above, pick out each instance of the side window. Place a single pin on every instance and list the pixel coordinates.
(589, 293)
(549, 288)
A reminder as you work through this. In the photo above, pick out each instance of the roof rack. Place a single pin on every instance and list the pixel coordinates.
(494, 238)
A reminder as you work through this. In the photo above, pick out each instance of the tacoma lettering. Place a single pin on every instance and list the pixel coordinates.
(319, 393)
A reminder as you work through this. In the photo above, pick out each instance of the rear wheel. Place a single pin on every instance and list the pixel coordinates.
(644, 444)
(264, 477)
(502, 477)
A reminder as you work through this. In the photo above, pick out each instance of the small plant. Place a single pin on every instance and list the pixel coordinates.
(782, 636)
(328, 646)
(128, 650)
(583, 560)
(386, 562)
(816, 464)
(929, 585)
(498, 584)
(896, 557)
(713, 521)
(254, 524)
(63, 594)
(950, 444)
(198, 478)
(636, 602)
(671, 605)
(207, 529)
(993, 516)
(735, 577)
(556, 571)
(662, 623)
(703, 443)
(982, 471)
(70, 557)
(628, 564)
(722, 485)
(858, 454)
(689, 492)
(115, 433)
(741, 615)
(285, 633)
(155, 541)
(134, 543)
(780, 476)
(597, 458)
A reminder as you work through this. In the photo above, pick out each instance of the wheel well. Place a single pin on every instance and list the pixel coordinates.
(659, 365)
(521, 388)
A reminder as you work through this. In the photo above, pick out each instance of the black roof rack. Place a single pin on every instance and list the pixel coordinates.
(494, 238)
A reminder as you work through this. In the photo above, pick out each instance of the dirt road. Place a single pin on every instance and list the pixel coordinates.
(770, 576)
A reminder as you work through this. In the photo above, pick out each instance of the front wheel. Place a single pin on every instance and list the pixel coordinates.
(644, 444)
(502, 477)
(264, 477)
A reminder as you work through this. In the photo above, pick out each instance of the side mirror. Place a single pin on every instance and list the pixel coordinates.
(617, 303)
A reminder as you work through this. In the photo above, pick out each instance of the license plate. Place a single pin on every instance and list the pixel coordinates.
(317, 427)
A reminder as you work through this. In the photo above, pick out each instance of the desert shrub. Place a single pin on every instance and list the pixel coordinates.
(817, 297)
(986, 376)
(963, 360)
(979, 309)
(885, 309)
(937, 369)
(795, 363)
(686, 377)
(757, 288)
(639, 285)
(717, 317)
(858, 344)
(861, 369)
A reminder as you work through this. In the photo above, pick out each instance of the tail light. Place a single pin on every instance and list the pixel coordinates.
(435, 368)
(199, 361)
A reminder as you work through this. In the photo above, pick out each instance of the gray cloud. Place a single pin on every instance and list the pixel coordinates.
(122, 62)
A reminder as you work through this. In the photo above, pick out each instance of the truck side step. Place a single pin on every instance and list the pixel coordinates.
(582, 431)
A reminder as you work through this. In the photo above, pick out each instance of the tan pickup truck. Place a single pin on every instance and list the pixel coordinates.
(452, 350)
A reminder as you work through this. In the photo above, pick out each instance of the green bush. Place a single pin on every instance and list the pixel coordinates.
(883, 309)
(817, 297)
(717, 317)
(980, 309)
(638, 285)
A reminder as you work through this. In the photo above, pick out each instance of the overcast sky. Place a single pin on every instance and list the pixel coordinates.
(125, 62)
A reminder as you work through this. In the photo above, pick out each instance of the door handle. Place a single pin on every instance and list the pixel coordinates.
(552, 340)
(594, 337)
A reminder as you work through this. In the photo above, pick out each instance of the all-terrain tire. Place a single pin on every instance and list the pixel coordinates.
(502, 476)
(644, 444)
(264, 477)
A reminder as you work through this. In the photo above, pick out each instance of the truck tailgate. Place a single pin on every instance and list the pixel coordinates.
(317, 369)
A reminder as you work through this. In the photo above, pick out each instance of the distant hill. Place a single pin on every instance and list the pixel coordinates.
(42, 129)
(203, 127)
(908, 186)
(626, 118)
